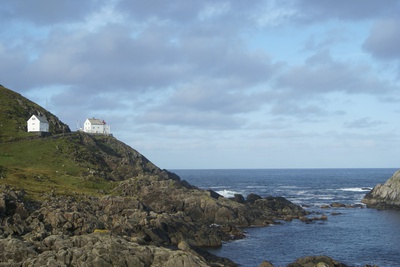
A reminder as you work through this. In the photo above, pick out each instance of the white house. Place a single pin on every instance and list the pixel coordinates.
(96, 126)
(38, 124)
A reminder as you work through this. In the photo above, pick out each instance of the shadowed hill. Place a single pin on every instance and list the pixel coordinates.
(15, 110)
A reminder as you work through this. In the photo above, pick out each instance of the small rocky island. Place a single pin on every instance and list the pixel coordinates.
(75, 199)
(385, 196)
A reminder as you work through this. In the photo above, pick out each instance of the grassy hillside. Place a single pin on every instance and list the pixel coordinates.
(15, 110)
(69, 164)
(43, 165)
(64, 162)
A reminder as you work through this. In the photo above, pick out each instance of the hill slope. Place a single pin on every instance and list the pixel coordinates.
(65, 162)
(70, 163)
(15, 110)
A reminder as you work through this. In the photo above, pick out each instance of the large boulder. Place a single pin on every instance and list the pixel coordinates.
(170, 196)
(95, 250)
(316, 261)
(385, 196)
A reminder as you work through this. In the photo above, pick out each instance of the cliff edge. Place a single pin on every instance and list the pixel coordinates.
(385, 196)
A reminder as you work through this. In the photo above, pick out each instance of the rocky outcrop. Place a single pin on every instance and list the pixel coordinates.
(385, 196)
(149, 211)
(95, 250)
(108, 158)
(316, 261)
(170, 196)
(313, 261)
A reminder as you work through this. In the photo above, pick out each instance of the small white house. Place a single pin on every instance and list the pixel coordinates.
(96, 126)
(38, 123)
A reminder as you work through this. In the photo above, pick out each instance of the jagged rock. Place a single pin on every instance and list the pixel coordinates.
(251, 198)
(94, 250)
(316, 261)
(15, 251)
(169, 196)
(214, 194)
(238, 198)
(385, 196)
(155, 210)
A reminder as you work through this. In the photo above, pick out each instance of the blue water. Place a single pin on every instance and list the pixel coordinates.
(356, 237)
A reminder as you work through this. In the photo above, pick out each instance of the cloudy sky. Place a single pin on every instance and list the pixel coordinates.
(219, 83)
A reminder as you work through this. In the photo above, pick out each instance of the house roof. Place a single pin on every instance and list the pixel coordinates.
(40, 118)
(96, 121)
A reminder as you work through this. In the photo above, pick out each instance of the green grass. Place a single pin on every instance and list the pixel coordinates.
(15, 110)
(45, 165)
(65, 164)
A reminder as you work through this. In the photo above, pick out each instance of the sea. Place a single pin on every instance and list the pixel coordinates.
(353, 236)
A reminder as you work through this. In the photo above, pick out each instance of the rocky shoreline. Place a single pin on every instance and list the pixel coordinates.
(151, 220)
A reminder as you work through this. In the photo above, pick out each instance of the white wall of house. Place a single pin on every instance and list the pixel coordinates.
(37, 124)
(96, 126)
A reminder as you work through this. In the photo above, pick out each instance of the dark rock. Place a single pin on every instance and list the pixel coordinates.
(238, 198)
(214, 194)
(337, 205)
(251, 198)
(316, 261)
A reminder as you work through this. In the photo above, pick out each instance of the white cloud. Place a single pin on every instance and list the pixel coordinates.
(224, 77)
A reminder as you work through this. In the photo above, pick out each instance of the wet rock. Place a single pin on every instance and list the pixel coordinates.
(337, 205)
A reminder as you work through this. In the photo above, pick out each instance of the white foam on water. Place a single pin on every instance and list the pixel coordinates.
(326, 197)
(227, 193)
(356, 189)
(218, 187)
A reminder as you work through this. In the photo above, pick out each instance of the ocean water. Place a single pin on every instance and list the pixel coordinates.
(356, 237)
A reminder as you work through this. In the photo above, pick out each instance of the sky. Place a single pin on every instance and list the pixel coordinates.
(203, 84)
